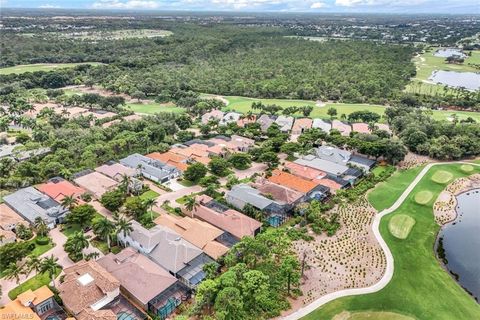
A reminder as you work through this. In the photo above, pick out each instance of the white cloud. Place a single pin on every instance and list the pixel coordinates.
(129, 4)
(48, 6)
(390, 3)
(318, 5)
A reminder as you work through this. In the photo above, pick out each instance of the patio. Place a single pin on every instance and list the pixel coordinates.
(124, 309)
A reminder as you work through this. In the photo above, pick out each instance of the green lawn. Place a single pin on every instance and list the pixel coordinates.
(423, 197)
(154, 107)
(41, 249)
(41, 67)
(420, 288)
(243, 105)
(395, 184)
(400, 225)
(150, 194)
(33, 283)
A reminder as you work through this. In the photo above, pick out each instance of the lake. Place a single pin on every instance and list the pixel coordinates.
(448, 52)
(461, 241)
(468, 80)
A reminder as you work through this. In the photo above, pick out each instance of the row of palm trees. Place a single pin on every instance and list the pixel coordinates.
(35, 264)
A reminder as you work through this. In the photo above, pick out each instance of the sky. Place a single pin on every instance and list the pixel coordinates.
(385, 6)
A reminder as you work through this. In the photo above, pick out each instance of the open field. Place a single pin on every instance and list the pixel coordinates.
(420, 288)
(371, 316)
(154, 107)
(41, 67)
(401, 225)
(243, 105)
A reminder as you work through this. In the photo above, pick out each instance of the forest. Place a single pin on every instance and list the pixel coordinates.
(221, 59)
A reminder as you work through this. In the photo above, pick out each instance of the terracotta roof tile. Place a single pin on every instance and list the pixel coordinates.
(304, 171)
(60, 190)
(291, 181)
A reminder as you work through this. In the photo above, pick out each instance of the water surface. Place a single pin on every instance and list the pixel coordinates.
(468, 80)
(448, 52)
(461, 241)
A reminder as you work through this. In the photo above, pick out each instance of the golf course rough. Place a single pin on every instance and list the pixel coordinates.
(400, 225)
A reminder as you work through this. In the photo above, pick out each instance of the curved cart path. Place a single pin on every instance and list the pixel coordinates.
(388, 254)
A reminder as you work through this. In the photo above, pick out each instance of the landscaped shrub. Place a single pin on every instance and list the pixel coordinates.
(41, 241)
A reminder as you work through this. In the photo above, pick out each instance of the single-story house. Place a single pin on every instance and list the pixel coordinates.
(301, 124)
(283, 195)
(304, 171)
(285, 123)
(212, 115)
(27, 154)
(240, 144)
(322, 125)
(151, 169)
(243, 121)
(197, 232)
(343, 127)
(33, 305)
(31, 203)
(9, 219)
(116, 171)
(168, 249)
(266, 121)
(329, 167)
(230, 117)
(360, 127)
(172, 159)
(146, 283)
(235, 224)
(341, 156)
(58, 188)
(94, 182)
(310, 188)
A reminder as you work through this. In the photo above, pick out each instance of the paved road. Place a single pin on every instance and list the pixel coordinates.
(388, 254)
(172, 196)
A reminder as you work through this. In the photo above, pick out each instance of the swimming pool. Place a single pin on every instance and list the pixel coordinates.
(125, 316)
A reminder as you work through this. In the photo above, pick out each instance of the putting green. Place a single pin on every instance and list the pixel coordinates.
(400, 225)
(466, 168)
(371, 316)
(442, 176)
(423, 197)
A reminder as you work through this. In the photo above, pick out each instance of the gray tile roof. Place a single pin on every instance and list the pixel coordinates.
(322, 124)
(285, 123)
(324, 165)
(250, 195)
(170, 250)
(7, 149)
(333, 154)
(265, 121)
(31, 203)
(25, 155)
(148, 166)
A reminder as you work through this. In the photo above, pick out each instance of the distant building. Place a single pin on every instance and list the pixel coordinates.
(172, 159)
(242, 122)
(266, 121)
(212, 115)
(151, 169)
(31, 203)
(168, 249)
(322, 125)
(230, 117)
(28, 154)
(310, 188)
(301, 124)
(341, 156)
(7, 236)
(360, 127)
(58, 188)
(343, 127)
(6, 150)
(116, 171)
(9, 219)
(285, 123)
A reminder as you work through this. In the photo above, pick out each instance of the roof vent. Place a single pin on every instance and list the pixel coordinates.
(85, 279)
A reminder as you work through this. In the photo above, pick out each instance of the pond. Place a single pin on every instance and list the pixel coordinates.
(461, 242)
(468, 80)
(448, 52)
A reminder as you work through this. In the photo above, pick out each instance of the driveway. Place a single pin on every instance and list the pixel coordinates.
(59, 239)
(172, 196)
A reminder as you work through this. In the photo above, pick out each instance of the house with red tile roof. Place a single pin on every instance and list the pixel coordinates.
(304, 171)
(301, 124)
(235, 224)
(311, 188)
(170, 158)
(360, 127)
(57, 189)
(343, 127)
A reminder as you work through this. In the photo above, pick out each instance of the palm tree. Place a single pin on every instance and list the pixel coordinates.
(76, 243)
(124, 226)
(69, 202)
(104, 228)
(50, 265)
(33, 264)
(149, 203)
(191, 203)
(40, 226)
(14, 271)
(124, 185)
